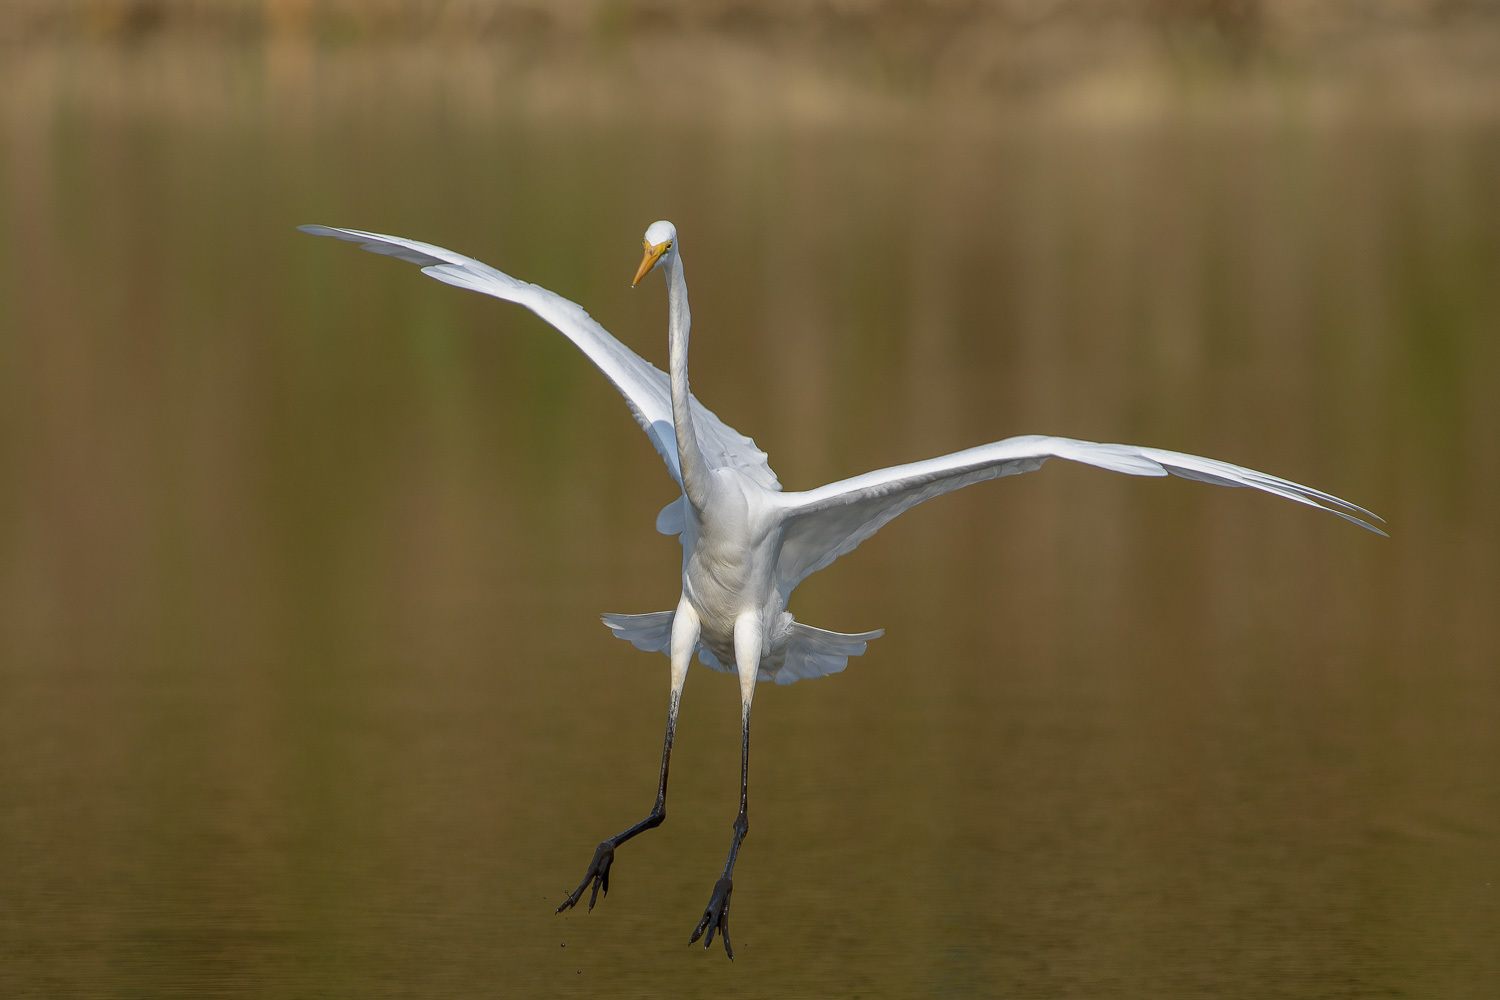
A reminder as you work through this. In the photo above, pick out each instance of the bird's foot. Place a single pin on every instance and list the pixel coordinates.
(598, 874)
(716, 917)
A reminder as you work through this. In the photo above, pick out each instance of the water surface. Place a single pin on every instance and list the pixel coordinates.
(301, 553)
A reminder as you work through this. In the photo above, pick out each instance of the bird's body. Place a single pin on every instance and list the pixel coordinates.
(729, 558)
(746, 543)
(726, 572)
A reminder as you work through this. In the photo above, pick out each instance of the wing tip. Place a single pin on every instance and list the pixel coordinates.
(1226, 474)
(387, 246)
(1361, 522)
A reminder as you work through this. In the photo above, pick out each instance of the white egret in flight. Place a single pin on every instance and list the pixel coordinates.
(746, 543)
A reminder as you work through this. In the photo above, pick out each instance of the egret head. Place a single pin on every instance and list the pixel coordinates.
(661, 243)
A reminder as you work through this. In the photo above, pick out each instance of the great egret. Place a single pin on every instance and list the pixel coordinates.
(746, 543)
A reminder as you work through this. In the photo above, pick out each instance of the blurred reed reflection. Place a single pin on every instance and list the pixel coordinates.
(301, 553)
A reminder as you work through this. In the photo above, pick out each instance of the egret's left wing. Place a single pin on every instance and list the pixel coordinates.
(645, 387)
(825, 523)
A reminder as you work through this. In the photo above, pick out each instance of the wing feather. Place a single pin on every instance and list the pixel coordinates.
(645, 387)
(822, 524)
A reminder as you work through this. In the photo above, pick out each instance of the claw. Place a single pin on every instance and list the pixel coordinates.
(598, 874)
(716, 917)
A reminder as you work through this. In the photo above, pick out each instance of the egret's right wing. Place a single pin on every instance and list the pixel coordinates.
(822, 524)
(645, 387)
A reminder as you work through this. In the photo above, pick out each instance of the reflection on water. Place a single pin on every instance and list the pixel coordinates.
(301, 555)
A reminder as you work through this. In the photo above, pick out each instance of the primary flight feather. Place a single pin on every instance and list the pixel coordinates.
(746, 544)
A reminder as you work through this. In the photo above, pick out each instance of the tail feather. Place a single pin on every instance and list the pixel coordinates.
(809, 652)
(815, 652)
(651, 632)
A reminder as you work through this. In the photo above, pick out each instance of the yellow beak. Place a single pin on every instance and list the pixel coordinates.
(653, 254)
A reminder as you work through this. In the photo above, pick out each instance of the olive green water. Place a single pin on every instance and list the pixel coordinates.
(302, 686)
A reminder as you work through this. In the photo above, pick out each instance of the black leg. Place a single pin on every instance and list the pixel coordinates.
(716, 914)
(604, 855)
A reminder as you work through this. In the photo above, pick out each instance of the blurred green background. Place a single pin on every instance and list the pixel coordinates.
(301, 553)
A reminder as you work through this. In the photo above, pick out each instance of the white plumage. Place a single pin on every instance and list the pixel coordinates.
(747, 544)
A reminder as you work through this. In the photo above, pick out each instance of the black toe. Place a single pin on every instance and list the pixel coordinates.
(716, 917)
(598, 875)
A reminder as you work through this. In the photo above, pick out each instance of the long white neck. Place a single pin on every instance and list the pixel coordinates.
(689, 456)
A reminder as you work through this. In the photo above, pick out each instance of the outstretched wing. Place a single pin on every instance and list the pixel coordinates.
(645, 387)
(825, 523)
